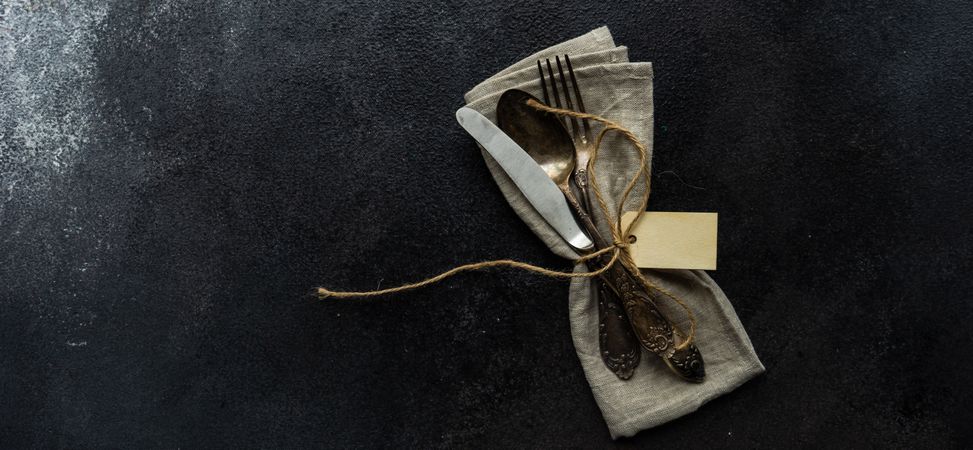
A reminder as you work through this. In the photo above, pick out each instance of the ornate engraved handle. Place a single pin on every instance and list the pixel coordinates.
(651, 327)
(618, 344)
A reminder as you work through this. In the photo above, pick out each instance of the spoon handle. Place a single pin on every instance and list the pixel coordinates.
(653, 330)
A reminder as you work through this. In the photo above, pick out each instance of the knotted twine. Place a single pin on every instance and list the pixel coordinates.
(618, 248)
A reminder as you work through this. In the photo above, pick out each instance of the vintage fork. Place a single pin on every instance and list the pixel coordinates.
(618, 345)
(583, 142)
(621, 310)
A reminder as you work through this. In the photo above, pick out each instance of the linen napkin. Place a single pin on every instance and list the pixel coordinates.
(619, 90)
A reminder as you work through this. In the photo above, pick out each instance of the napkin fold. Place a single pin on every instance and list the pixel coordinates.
(621, 91)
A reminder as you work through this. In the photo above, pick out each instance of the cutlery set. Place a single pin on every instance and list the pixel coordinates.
(583, 195)
(547, 156)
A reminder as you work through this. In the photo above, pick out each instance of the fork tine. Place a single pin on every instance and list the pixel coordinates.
(567, 98)
(577, 97)
(540, 71)
(557, 97)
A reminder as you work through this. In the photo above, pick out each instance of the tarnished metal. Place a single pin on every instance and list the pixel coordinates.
(618, 346)
(546, 139)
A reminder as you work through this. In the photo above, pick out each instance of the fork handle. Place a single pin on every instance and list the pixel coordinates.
(651, 327)
(581, 181)
(619, 346)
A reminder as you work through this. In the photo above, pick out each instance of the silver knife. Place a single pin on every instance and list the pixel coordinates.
(533, 182)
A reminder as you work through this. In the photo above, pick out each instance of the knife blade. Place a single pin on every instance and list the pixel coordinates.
(533, 182)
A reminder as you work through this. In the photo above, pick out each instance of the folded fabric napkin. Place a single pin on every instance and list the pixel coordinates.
(621, 91)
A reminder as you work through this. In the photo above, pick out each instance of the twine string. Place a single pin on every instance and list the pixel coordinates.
(328, 293)
(618, 248)
(618, 234)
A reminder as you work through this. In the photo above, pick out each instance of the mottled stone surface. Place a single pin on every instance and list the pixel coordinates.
(175, 177)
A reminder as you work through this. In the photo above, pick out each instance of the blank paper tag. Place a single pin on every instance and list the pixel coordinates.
(673, 240)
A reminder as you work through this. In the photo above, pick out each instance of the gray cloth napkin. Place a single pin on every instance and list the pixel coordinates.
(622, 91)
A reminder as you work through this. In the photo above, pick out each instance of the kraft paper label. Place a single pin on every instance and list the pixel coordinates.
(673, 240)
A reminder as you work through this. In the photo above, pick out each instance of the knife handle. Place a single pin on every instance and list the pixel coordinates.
(654, 331)
(651, 327)
(618, 344)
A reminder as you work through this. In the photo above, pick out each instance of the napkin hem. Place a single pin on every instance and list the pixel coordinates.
(644, 421)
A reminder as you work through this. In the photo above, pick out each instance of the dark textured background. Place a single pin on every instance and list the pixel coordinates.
(177, 176)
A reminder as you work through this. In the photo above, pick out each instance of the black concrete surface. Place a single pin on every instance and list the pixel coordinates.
(202, 166)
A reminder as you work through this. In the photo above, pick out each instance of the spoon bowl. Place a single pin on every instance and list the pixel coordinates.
(531, 129)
